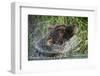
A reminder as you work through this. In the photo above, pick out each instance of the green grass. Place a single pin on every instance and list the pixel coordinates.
(44, 21)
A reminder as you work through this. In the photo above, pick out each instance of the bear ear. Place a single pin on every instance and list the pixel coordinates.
(51, 27)
(60, 27)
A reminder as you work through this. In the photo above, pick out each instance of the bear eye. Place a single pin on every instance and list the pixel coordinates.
(62, 30)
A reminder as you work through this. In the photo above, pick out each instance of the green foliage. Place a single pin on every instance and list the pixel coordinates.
(80, 22)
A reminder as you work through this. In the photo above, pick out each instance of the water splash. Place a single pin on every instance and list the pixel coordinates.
(39, 34)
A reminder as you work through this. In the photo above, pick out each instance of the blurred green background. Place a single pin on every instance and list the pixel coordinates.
(39, 24)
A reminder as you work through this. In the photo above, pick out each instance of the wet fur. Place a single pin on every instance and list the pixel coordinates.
(53, 44)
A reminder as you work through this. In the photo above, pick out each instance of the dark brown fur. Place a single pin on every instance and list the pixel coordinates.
(61, 33)
(53, 44)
